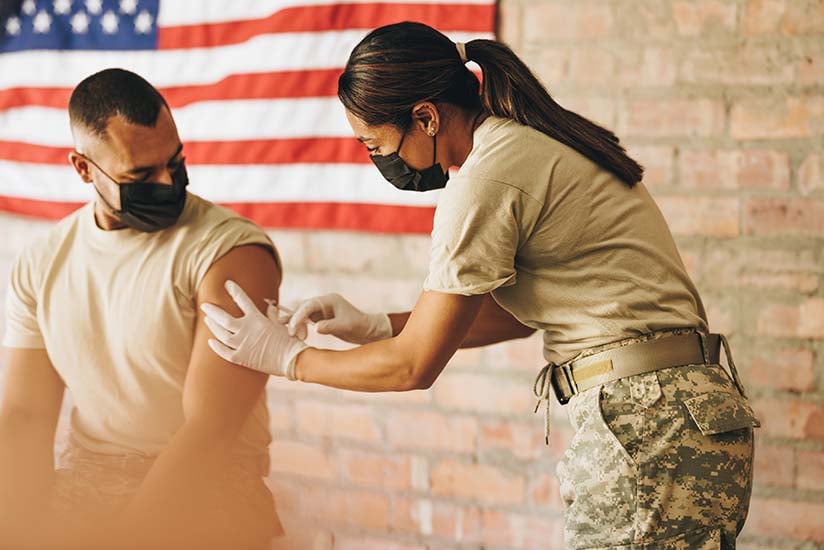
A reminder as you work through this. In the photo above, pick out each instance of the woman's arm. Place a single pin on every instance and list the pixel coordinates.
(492, 325)
(413, 359)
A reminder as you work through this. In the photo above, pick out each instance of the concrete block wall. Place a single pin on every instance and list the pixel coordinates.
(723, 102)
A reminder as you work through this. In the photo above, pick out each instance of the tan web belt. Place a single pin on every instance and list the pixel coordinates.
(579, 375)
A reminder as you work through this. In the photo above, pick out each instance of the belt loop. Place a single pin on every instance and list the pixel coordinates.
(731, 365)
(705, 348)
(543, 383)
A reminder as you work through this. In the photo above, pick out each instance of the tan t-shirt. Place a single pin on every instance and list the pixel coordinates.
(116, 312)
(561, 243)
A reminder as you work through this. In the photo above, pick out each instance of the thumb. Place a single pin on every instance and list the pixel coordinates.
(330, 326)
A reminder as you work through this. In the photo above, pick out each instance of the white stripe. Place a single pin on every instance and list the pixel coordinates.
(180, 12)
(265, 53)
(205, 121)
(289, 183)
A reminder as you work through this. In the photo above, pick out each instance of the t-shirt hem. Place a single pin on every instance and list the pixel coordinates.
(23, 342)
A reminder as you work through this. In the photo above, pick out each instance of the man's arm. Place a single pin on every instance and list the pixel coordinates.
(217, 399)
(492, 325)
(29, 411)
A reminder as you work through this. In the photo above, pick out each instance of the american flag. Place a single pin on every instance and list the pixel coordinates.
(251, 84)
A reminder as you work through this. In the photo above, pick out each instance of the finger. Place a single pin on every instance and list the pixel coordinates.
(221, 317)
(304, 313)
(220, 333)
(326, 327)
(227, 354)
(242, 299)
(284, 318)
(302, 332)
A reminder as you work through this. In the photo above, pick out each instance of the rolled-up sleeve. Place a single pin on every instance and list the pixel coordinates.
(478, 229)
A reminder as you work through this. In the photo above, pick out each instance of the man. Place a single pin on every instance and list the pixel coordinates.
(168, 442)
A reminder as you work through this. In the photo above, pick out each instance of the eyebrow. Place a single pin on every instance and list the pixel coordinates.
(143, 169)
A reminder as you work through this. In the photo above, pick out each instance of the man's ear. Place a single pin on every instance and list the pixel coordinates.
(425, 115)
(81, 166)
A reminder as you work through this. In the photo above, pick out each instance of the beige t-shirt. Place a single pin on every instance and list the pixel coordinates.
(116, 312)
(561, 243)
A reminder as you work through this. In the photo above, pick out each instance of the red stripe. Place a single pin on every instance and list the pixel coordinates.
(261, 151)
(273, 85)
(335, 17)
(342, 216)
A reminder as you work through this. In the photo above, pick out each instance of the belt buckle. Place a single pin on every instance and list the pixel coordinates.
(560, 394)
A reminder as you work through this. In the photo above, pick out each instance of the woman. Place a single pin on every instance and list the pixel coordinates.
(545, 226)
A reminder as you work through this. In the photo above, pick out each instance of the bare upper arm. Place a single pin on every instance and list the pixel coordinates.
(218, 394)
(32, 389)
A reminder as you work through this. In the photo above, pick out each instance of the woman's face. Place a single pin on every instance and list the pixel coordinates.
(416, 150)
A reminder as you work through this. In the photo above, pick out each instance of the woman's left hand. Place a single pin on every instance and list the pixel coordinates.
(254, 340)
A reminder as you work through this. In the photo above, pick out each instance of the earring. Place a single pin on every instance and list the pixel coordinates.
(431, 132)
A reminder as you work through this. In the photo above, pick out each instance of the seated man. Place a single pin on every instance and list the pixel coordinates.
(167, 440)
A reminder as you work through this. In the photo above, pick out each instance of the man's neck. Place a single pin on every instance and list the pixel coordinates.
(105, 220)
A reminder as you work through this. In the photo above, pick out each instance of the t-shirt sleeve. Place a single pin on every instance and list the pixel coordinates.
(221, 238)
(478, 228)
(22, 327)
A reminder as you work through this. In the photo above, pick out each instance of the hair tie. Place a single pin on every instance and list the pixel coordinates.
(461, 47)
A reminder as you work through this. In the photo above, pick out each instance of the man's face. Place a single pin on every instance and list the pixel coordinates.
(128, 153)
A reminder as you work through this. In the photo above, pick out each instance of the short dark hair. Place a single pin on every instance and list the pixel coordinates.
(113, 92)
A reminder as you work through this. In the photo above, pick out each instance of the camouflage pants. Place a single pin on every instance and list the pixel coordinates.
(661, 460)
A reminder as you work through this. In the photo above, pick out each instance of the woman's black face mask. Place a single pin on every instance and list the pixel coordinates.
(406, 178)
(149, 207)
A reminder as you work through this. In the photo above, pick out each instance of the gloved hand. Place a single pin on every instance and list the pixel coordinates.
(335, 316)
(255, 340)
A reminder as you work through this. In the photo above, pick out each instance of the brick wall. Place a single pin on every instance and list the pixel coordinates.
(722, 102)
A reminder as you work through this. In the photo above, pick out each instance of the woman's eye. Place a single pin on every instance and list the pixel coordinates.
(372, 149)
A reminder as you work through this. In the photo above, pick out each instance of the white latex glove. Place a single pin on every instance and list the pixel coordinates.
(334, 315)
(257, 341)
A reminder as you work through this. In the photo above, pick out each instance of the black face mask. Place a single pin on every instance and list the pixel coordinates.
(402, 176)
(149, 207)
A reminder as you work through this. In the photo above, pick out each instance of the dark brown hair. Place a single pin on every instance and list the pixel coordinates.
(398, 66)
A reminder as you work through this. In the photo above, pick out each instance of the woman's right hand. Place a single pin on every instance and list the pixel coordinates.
(336, 316)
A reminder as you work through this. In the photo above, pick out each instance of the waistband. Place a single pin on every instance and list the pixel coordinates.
(630, 357)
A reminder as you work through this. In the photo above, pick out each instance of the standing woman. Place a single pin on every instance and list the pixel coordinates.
(546, 226)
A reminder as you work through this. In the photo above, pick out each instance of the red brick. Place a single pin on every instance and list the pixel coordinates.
(810, 65)
(350, 508)
(657, 162)
(704, 17)
(722, 314)
(543, 492)
(522, 531)
(545, 22)
(521, 440)
(692, 261)
(749, 168)
(485, 394)
(281, 414)
(510, 27)
(801, 320)
(777, 118)
(671, 118)
(550, 65)
(598, 109)
(590, 66)
(459, 524)
(300, 536)
(374, 469)
(763, 16)
(354, 422)
(809, 175)
(711, 217)
(774, 465)
(291, 457)
(762, 268)
(431, 430)
(792, 419)
(786, 519)
(479, 482)
(810, 474)
(349, 542)
(647, 67)
(774, 216)
(785, 369)
(804, 17)
(750, 66)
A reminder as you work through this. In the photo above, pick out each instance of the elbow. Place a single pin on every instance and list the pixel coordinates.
(420, 377)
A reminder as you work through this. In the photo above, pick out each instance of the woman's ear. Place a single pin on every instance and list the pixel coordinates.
(425, 115)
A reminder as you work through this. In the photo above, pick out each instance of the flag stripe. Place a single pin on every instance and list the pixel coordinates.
(379, 218)
(346, 183)
(264, 151)
(448, 17)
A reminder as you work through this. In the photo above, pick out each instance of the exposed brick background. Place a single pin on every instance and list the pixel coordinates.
(722, 102)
